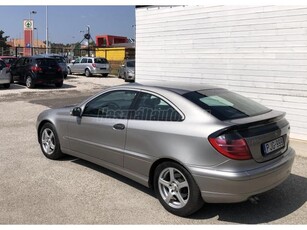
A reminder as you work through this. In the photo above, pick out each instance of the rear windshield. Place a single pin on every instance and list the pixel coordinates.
(59, 59)
(101, 60)
(225, 105)
(46, 62)
(130, 63)
(9, 60)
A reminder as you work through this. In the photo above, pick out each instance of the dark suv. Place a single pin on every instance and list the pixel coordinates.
(37, 70)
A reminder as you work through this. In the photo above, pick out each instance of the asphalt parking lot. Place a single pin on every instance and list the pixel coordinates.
(35, 190)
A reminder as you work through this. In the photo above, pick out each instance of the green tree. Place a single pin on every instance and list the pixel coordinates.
(3, 40)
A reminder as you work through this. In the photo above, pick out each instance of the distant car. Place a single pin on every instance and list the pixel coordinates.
(5, 76)
(191, 143)
(89, 66)
(37, 70)
(8, 60)
(61, 61)
(127, 70)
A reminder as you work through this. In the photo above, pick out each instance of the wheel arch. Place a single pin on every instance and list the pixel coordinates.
(156, 164)
(41, 124)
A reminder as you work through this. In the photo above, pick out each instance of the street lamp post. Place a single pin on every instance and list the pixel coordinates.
(36, 36)
(31, 38)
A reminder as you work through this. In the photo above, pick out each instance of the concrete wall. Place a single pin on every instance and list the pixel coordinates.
(257, 51)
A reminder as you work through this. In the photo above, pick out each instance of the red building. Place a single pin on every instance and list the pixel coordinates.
(108, 40)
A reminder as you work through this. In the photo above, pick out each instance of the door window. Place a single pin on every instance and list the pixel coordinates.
(115, 104)
(84, 60)
(152, 108)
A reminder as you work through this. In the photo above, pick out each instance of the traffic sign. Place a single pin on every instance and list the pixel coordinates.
(28, 24)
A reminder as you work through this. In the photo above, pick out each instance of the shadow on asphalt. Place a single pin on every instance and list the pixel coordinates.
(111, 174)
(273, 205)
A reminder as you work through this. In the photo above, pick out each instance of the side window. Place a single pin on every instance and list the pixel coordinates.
(89, 60)
(114, 105)
(153, 108)
(84, 60)
(2, 65)
(77, 60)
(20, 62)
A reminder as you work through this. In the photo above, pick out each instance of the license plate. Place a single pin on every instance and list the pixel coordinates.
(273, 145)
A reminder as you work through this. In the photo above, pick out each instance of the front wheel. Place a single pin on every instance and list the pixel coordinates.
(69, 71)
(176, 189)
(49, 142)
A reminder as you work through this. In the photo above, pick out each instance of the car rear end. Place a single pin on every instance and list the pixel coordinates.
(62, 63)
(46, 70)
(100, 66)
(254, 142)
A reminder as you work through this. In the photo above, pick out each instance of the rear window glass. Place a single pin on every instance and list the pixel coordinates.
(46, 62)
(130, 63)
(9, 60)
(101, 60)
(225, 105)
(59, 59)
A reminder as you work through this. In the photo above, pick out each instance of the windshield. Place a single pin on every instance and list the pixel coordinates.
(225, 105)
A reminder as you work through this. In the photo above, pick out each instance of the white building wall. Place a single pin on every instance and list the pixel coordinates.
(257, 51)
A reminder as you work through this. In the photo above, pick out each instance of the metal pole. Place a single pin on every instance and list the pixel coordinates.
(47, 30)
(88, 41)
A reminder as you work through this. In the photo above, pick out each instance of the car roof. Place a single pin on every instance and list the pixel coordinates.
(1, 57)
(179, 88)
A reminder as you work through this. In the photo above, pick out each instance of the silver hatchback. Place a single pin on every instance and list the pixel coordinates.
(5, 75)
(89, 66)
(191, 144)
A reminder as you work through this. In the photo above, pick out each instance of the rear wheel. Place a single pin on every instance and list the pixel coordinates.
(105, 74)
(176, 189)
(59, 84)
(29, 82)
(49, 142)
(87, 73)
(6, 86)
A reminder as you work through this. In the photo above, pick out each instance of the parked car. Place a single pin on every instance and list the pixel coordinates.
(127, 70)
(191, 144)
(37, 70)
(5, 76)
(61, 61)
(8, 60)
(89, 66)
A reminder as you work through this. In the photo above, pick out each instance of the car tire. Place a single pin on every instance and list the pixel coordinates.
(87, 73)
(29, 82)
(59, 84)
(69, 71)
(176, 189)
(65, 76)
(105, 74)
(49, 142)
(6, 86)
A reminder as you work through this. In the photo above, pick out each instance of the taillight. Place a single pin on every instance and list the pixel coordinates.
(94, 65)
(232, 146)
(36, 68)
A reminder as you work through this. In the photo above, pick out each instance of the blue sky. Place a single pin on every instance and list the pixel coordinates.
(66, 22)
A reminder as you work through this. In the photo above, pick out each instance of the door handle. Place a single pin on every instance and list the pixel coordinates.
(119, 126)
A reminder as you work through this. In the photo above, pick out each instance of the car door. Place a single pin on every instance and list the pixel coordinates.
(101, 130)
(75, 66)
(152, 133)
(83, 65)
(17, 69)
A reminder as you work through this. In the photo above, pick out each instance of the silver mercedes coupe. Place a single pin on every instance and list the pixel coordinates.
(190, 143)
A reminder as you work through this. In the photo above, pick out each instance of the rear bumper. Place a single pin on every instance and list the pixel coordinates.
(230, 187)
(100, 71)
(6, 80)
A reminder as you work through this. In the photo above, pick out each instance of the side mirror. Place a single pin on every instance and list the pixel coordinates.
(76, 112)
(73, 62)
